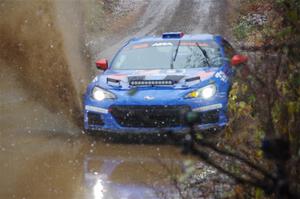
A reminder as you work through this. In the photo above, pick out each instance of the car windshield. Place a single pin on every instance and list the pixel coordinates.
(162, 55)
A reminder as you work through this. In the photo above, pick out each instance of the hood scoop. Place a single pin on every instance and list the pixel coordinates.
(193, 79)
(113, 82)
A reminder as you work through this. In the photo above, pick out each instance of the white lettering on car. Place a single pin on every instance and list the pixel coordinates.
(222, 76)
(162, 44)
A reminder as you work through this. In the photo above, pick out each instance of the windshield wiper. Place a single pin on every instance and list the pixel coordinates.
(176, 52)
(204, 54)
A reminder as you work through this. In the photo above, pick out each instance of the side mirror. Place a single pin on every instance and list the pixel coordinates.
(238, 59)
(102, 64)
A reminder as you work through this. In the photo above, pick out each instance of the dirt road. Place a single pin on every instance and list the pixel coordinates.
(43, 151)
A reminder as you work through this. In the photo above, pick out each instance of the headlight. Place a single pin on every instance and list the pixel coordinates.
(205, 92)
(100, 94)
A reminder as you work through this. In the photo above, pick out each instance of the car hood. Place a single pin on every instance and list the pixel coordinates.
(181, 78)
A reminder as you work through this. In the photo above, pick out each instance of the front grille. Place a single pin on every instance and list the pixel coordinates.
(150, 116)
(94, 119)
(209, 117)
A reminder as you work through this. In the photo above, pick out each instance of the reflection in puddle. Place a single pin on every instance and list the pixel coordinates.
(101, 182)
(98, 189)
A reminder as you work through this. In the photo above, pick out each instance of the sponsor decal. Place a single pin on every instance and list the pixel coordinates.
(193, 44)
(222, 76)
(148, 72)
(162, 44)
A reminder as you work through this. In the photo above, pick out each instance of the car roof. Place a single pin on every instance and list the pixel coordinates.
(188, 37)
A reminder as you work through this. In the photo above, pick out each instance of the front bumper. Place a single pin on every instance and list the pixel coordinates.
(213, 115)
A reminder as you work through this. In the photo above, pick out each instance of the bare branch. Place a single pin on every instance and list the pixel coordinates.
(205, 157)
(238, 157)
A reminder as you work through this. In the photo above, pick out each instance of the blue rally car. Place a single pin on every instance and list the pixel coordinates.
(152, 82)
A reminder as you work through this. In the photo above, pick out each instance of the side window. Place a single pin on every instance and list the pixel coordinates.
(229, 50)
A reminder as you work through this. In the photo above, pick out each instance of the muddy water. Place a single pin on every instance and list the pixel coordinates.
(51, 166)
(33, 45)
(43, 152)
